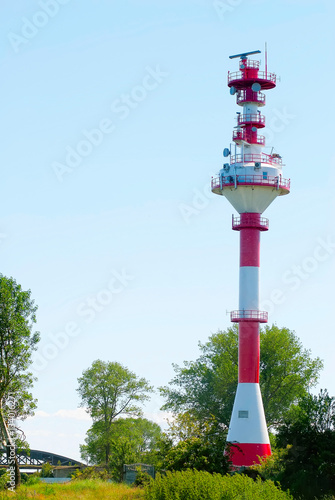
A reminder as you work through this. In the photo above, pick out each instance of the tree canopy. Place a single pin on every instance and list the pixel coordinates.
(17, 343)
(206, 387)
(304, 463)
(130, 440)
(108, 390)
(191, 444)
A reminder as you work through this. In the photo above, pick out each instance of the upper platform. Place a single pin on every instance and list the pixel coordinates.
(250, 178)
(249, 74)
(218, 184)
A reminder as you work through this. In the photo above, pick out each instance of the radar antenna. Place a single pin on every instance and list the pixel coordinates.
(245, 54)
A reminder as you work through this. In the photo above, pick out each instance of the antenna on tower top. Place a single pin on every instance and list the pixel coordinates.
(266, 60)
(245, 54)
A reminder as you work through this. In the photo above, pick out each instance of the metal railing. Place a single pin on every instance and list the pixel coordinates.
(261, 75)
(242, 136)
(256, 118)
(253, 180)
(247, 95)
(249, 315)
(249, 64)
(259, 158)
(249, 220)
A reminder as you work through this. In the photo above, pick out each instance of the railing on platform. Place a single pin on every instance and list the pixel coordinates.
(249, 315)
(253, 180)
(261, 75)
(250, 220)
(259, 158)
(255, 118)
(247, 95)
(241, 135)
(249, 63)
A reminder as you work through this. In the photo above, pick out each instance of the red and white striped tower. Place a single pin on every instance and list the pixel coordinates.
(250, 181)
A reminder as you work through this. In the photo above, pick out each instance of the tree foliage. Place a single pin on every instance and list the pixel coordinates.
(141, 434)
(308, 432)
(47, 470)
(130, 440)
(108, 391)
(196, 445)
(17, 343)
(207, 386)
(287, 371)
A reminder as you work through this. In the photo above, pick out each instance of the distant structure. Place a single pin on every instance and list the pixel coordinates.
(35, 459)
(250, 180)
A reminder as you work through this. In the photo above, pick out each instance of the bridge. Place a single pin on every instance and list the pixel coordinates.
(36, 458)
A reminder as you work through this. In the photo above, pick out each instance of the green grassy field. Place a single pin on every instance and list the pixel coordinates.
(185, 486)
(79, 490)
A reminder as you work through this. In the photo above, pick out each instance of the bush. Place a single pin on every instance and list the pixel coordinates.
(272, 466)
(90, 473)
(4, 479)
(47, 470)
(198, 485)
(33, 479)
(142, 478)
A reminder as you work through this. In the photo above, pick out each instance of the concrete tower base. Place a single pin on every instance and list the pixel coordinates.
(247, 430)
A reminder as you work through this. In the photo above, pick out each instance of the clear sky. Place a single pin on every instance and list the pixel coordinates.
(114, 115)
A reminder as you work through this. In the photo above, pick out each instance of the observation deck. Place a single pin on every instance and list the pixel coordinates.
(250, 137)
(248, 315)
(257, 158)
(249, 74)
(254, 180)
(219, 183)
(256, 120)
(248, 95)
(247, 221)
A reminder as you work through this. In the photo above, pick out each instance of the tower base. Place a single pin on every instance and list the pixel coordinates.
(246, 454)
(247, 430)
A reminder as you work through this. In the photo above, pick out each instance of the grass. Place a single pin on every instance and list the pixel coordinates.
(79, 490)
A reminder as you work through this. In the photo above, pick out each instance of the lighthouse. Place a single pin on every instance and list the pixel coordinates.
(250, 180)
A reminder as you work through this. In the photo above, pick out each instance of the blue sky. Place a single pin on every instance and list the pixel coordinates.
(127, 254)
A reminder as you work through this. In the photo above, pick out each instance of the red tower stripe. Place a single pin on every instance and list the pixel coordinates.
(250, 247)
(248, 453)
(248, 352)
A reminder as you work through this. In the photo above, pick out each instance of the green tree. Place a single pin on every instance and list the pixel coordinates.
(122, 452)
(17, 343)
(47, 470)
(142, 434)
(206, 387)
(108, 390)
(197, 445)
(308, 433)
